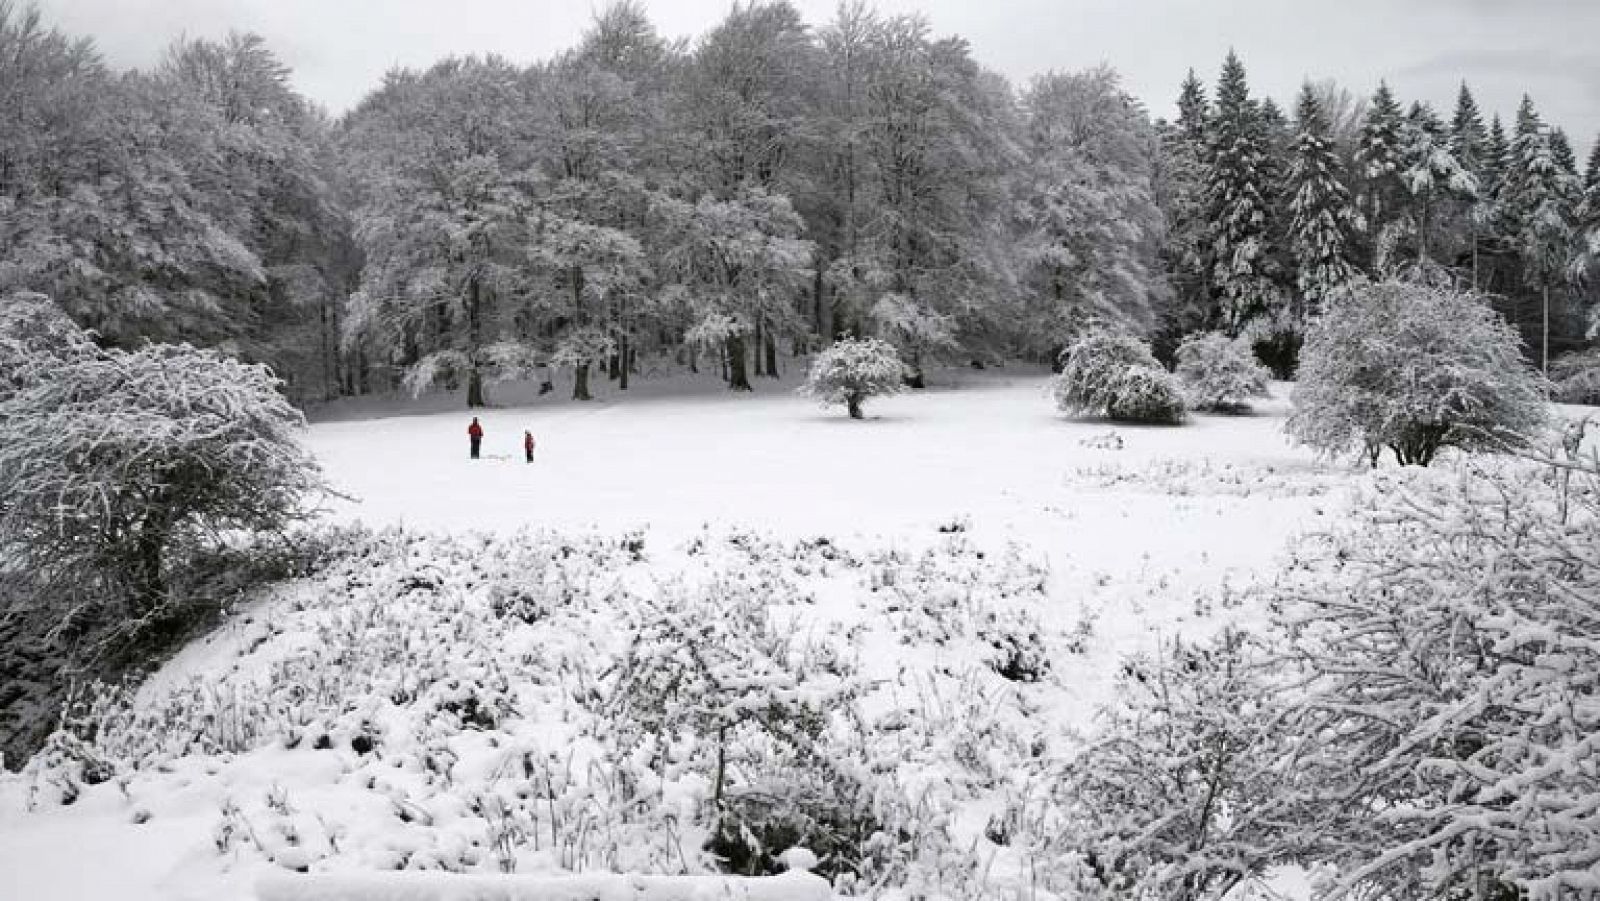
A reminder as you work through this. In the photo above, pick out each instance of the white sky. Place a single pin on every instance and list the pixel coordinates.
(340, 48)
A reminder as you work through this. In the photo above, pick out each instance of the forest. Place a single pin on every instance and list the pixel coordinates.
(751, 194)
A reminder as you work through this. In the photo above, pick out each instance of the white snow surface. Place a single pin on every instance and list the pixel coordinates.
(1138, 530)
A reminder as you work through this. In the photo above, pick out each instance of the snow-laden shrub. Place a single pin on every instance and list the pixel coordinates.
(112, 462)
(1413, 368)
(853, 370)
(1220, 373)
(1576, 377)
(1115, 375)
(1449, 640)
(1181, 792)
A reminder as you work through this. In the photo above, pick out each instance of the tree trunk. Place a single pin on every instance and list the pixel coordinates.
(1544, 352)
(756, 361)
(580, 382)
(475, 393)
(738, 377)
(625, 359)
(772, 356)
(147, 584)
(852, 403)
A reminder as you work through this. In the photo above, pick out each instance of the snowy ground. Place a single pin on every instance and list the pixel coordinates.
(978, 483)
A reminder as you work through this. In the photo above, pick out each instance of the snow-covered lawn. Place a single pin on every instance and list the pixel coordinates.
(968, 531)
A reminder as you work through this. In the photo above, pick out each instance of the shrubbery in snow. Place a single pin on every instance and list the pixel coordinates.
(1220, 373)
(854, 370)
(1115, 375)
(1575, 377)
(112, 461)
(1414, 369)
(1420, 714)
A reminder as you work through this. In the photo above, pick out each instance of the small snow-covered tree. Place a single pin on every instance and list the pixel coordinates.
(1324, 219)
(1115, 375)
(1413, 368)
(851, 371)
(1220, 373)
(112, 462)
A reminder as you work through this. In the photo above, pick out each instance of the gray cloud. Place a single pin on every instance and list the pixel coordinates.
(340, 48)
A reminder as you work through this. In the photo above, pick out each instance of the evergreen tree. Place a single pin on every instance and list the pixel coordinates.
(1591, 175)
(1561, 149)
(1538, 205)
(1468, 137)
(1193, 109)
(1239, 258)
(1380, 169)
(1435, 179)
(1323, 217)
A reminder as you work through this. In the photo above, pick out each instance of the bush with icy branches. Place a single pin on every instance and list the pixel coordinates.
(1415, 369)
(1115, 375)
(111, 461)
(853, 370)
(1220, 373)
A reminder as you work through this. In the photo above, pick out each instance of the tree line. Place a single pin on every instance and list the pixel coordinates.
(733, 200)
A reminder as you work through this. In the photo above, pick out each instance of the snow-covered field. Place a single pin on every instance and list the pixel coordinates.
(969, 564)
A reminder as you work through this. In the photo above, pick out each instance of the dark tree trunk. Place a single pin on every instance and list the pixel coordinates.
(738, 377)
(760, 338)
(580, 382)
(475, 393)
(625, 362)
(853, 404)
(772, 356)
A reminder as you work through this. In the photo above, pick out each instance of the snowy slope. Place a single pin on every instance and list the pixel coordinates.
(960, 514)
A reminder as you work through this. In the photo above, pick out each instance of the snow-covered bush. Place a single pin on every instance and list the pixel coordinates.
(1220, 373)
(1181, 792)
(1115, 375)
(112, 462)
(1449, 640)
(853, 370)
(1575, 377)
(1413, 368)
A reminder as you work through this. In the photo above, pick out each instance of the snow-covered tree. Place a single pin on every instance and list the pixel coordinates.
(1380, 172)
(1092, 219)
(1323, 220)
(1179, 189)
(1220, 373)
(1239, 255)
(113, 464)
(1415, 369)
(1435, 178)
(1113, 374)
(852, 371)
(1538, 206)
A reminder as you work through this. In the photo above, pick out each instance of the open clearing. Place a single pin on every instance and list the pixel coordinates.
(1128, 533)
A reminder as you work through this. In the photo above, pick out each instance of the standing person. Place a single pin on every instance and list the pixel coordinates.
(527, 445)
(475, 435)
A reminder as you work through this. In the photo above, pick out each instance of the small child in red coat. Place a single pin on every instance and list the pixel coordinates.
(527, 445)
(475, 435)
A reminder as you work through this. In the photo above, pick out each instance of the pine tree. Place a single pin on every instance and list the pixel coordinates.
(1379, 164)
(1561, 149)
(1591, 175)
(1192, 109)
(1239, 258)
(1468, 137)
(1323, 218)
(1436, 180)
(1496, 155)
(1538, 204)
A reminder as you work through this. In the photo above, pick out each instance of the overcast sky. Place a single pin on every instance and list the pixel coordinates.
(340, 48)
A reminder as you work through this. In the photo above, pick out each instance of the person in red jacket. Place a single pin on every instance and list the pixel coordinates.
(475, 435)
(527, 445)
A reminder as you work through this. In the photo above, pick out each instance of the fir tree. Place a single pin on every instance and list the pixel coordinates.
(1379, 164)
(1538, 201)
(1496, 153)
(1323, 218)
(1433, 176)
(1561, 149)
(1468, 138)
(1192, 109)
(1591, 175)
(1239, 258)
